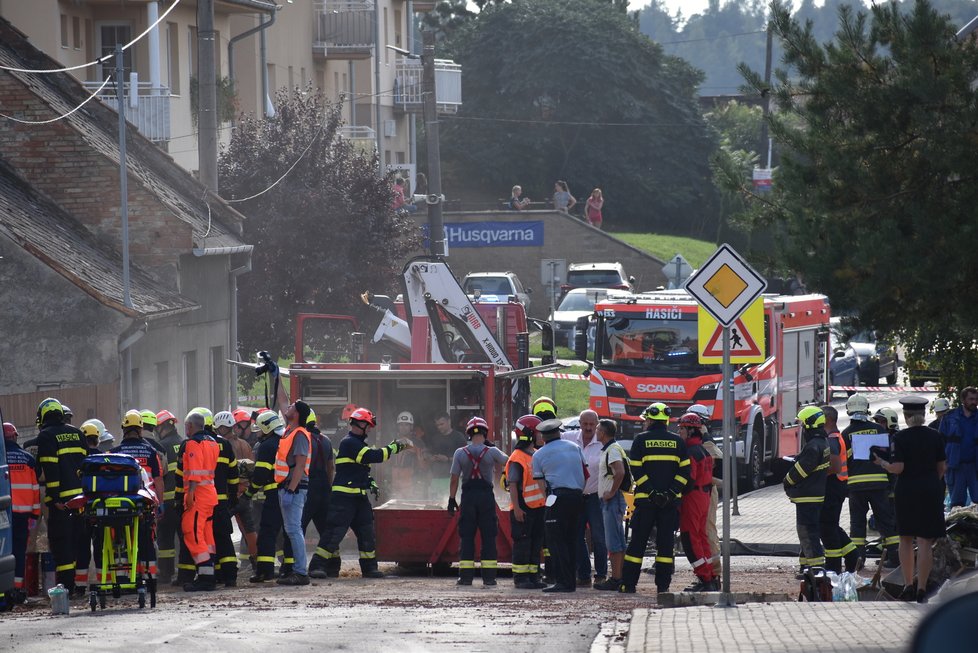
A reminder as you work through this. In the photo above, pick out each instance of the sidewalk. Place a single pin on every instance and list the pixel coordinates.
(776, 628)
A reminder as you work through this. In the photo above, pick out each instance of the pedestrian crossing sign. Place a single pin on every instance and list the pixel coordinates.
(747, 343)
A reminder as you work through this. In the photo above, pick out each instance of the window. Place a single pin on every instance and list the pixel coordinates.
(89, 40)
(76, 32)
(291, 80)
(163, 384)
(397, 27)
(190, 378)
(399, 157)
(109, 35)
(218, 389)
(321, 81)
(270, 73)
(173, 57)
(64, 31)
(192, 49)
(336, 84)
(302, 77)
(135, 386)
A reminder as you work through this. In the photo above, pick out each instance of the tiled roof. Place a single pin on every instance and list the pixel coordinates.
(148, 165)
(48, 233)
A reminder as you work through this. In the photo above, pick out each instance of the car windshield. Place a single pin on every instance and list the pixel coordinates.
(488, 286)
(578, 301)
(593, 278)
(654, 345)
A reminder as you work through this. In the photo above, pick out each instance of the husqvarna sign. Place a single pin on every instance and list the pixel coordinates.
(494, 234)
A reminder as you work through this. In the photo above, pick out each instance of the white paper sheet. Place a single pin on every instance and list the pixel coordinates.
(861, 443)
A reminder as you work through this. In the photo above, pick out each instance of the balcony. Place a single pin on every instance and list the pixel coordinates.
(362, 138)
(448, 86)
(151, 115)
(344, 29)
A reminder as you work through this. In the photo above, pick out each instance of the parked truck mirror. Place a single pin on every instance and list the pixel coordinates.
(580, 337)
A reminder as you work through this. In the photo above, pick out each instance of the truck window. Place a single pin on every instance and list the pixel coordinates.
(651, 345)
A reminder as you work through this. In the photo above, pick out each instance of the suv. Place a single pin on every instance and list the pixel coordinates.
(597, 275)
(577, 303)
(481, 285)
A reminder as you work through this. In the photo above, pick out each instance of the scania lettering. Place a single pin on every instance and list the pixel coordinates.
(646, 349)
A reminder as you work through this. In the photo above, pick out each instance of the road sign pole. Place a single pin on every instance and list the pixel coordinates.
(726, 598)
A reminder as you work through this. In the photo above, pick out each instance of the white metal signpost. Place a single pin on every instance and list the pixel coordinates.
(725, 286)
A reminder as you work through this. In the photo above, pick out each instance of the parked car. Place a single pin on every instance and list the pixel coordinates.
(597, 275)
(502, 285)
(876, 356)
(843, 366)
(575, 304)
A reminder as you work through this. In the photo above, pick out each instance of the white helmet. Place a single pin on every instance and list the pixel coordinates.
(224, 418)
(106, 437)
(270, 421)
(701, 410)
(857, 404)
(92, 428)
(941, 405)
(405, 418)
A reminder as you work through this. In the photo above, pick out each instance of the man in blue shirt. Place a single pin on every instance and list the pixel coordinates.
(960, 430)
(561, 464)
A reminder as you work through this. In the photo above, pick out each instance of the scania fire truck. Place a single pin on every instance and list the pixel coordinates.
(646, 349)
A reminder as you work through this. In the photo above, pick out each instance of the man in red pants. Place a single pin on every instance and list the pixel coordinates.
(696, 503)
(196, 467)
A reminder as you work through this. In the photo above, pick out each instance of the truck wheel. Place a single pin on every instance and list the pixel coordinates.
(754, 473)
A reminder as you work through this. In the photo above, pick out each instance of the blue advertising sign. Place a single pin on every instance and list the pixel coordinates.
(494, 234)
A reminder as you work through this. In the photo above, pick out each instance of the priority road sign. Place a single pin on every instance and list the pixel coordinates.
(726, 285)
(746, 336)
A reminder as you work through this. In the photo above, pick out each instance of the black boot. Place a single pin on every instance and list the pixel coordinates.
(201, 584)
(465, 576)
(368, 568)
(489, 576)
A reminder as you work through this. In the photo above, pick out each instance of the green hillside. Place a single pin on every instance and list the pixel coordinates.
(665, 247)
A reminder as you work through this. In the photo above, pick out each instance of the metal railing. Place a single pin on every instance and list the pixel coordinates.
(362, 137)
(151, 115)
(343, 27)
(448, 85)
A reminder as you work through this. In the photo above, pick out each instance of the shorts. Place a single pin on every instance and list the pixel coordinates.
(613, 514)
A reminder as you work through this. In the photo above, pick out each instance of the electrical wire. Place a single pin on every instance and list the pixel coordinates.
(713, 38)
(102, 59)
(62, 117)
(286, 174)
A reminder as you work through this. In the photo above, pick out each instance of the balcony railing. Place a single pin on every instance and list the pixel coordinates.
(151, 115)
(344, 29)
(448, 85)
(363, 138)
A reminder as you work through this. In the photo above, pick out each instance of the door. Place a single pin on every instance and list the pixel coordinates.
(110, 34)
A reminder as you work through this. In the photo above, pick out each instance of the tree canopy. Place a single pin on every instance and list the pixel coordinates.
(325, 230)
(570, 89)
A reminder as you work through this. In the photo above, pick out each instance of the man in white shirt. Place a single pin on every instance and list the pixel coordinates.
(591, 517)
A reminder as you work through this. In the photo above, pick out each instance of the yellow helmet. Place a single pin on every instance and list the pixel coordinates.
(206, 413)
(657, 411)
(811, 417)
(132, 418)
(47, 407)
(149, 418)
(312, 417)
(92, 428)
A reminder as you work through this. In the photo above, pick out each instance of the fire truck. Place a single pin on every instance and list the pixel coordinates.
(432, 353)
(646, 349)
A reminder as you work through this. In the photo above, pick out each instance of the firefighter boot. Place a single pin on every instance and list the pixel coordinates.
(852, 561)
(523, 581)
(203, 583)
(368, 568)
(465, 576)
(165, 568)
(489, 576)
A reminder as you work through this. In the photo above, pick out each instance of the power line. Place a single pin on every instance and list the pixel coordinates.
(291, 168)
(61, 117)
(102, 59)
(713, 38)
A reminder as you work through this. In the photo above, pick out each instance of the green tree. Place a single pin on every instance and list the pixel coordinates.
(571, 90)
(876, 193)
(323, 233)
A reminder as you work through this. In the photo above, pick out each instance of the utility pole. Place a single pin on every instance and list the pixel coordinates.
(764, 146)
(436, 229)
(123, 172)
(207, 95)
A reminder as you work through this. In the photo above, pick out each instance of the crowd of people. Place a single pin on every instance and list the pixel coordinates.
(564, 202)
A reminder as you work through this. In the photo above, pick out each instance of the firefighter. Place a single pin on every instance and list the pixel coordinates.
(196, 469)
(545, 408)
(135, 445)
(271, 428)
(476, 463)
(226, 481)
(838, 546)
(868, 487)
(322, 467)
(349, 505)
(25, 497)
(60, 452)
(696, 504)
(168, 525)
(243, 512)
(711, 516)
(941, 407)
(805, 485)
(528, 500)
(93, 430)
(660, 466)
(150, 424)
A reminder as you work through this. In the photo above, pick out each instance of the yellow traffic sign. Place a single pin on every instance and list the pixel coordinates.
(726, 285)
(747, 343)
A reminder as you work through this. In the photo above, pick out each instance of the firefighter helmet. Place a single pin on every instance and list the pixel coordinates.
(857, 404)
(691, 421)
(476, 426)
(106, 437)
(49, 406)
(363, 415)
(526, 428)
(657, 411)
(811, 417)
(311, 420)
(940, 405)
(92, 428)
(701, 410)
(164, 416)
(9, 431)
(205, 413)
(888, 414)
(269, 421)
(405, 418)
(66, 410)
(149, 418)
(241, 416)
(132, 419)
(544, 405)
(224, 418)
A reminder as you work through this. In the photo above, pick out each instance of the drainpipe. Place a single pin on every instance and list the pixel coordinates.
(261, 27)
(153, 45)
(380, 148)
(233, 331)
(126, 341)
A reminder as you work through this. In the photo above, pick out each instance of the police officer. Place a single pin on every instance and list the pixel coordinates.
(528, 499)
(168, 525)
(60, 451)
(805, 485)
(25, 495)
(350, 507)
(868, 485)
(476, 463)
(660, 466)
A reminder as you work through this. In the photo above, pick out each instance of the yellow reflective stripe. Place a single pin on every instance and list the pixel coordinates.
(684, 462)
(642, 480)
(169, 495)
(222, 459)
(821, 467)
(629, 558)
(67, 567)
(234, 463)
(270, 559)
(635, 463)
(893, 539)
(466, 564)
(179, 472)
(849, 548)
(186, 567)
(270, 486)
(368, 555)
(361, 454)
(348, 490)
(70, 493)
(490, 564)
(167, 553)
(288, 560)
(681, 479)
(801, 470)
(641, 495)
(522, 569)
(264, 465)
(651, 458)
(172, 467)
(51, 484)
(228, 559)
(665, 559)
(807, 499)
(48, 459)
(222, 497)
(83, 452)
(326, 554)
(233, 481)
(859, 541)
(868, 478)
(344, 460)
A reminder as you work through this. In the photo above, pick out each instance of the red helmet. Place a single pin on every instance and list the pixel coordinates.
(363, 415)
(165, 416)
(9, 431)
(347, 411)
(691, 420)
(526, 428)
(476, 426)
(241, 416)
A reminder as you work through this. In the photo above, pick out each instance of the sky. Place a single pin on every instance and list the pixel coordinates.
(689, 7)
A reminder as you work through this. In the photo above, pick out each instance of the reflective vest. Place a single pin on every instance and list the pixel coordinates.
(25, 492)
(198, 464)
(533, 495)
(843, 474)
(281, 454)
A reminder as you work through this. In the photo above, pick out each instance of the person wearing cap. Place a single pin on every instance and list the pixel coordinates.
(941, 406)
(168, 532)
(838, 546)
(476, 463)
(25, 496)
(196, 469)
(960, 429)
(917, 460)
(868, 486)
(527, 501)
(227, 479)
(591, 518)
(560, 463)
(660, 465)
(409, 477)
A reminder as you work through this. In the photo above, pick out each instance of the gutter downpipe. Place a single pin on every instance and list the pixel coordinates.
(261, 27)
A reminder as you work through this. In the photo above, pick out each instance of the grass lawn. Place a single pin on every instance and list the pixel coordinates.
(571, 396)
(665, 247)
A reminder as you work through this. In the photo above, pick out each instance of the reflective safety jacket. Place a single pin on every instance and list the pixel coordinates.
(263, 478)
(60, 451)
(531, 492)
(171, 445)
(25, 491)
(145, 454)
(660, 462)
(353, 462)
(226, 476)
(805, 481)
(197, 463)
(700, 466)
(282, 453)
(864, 475)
